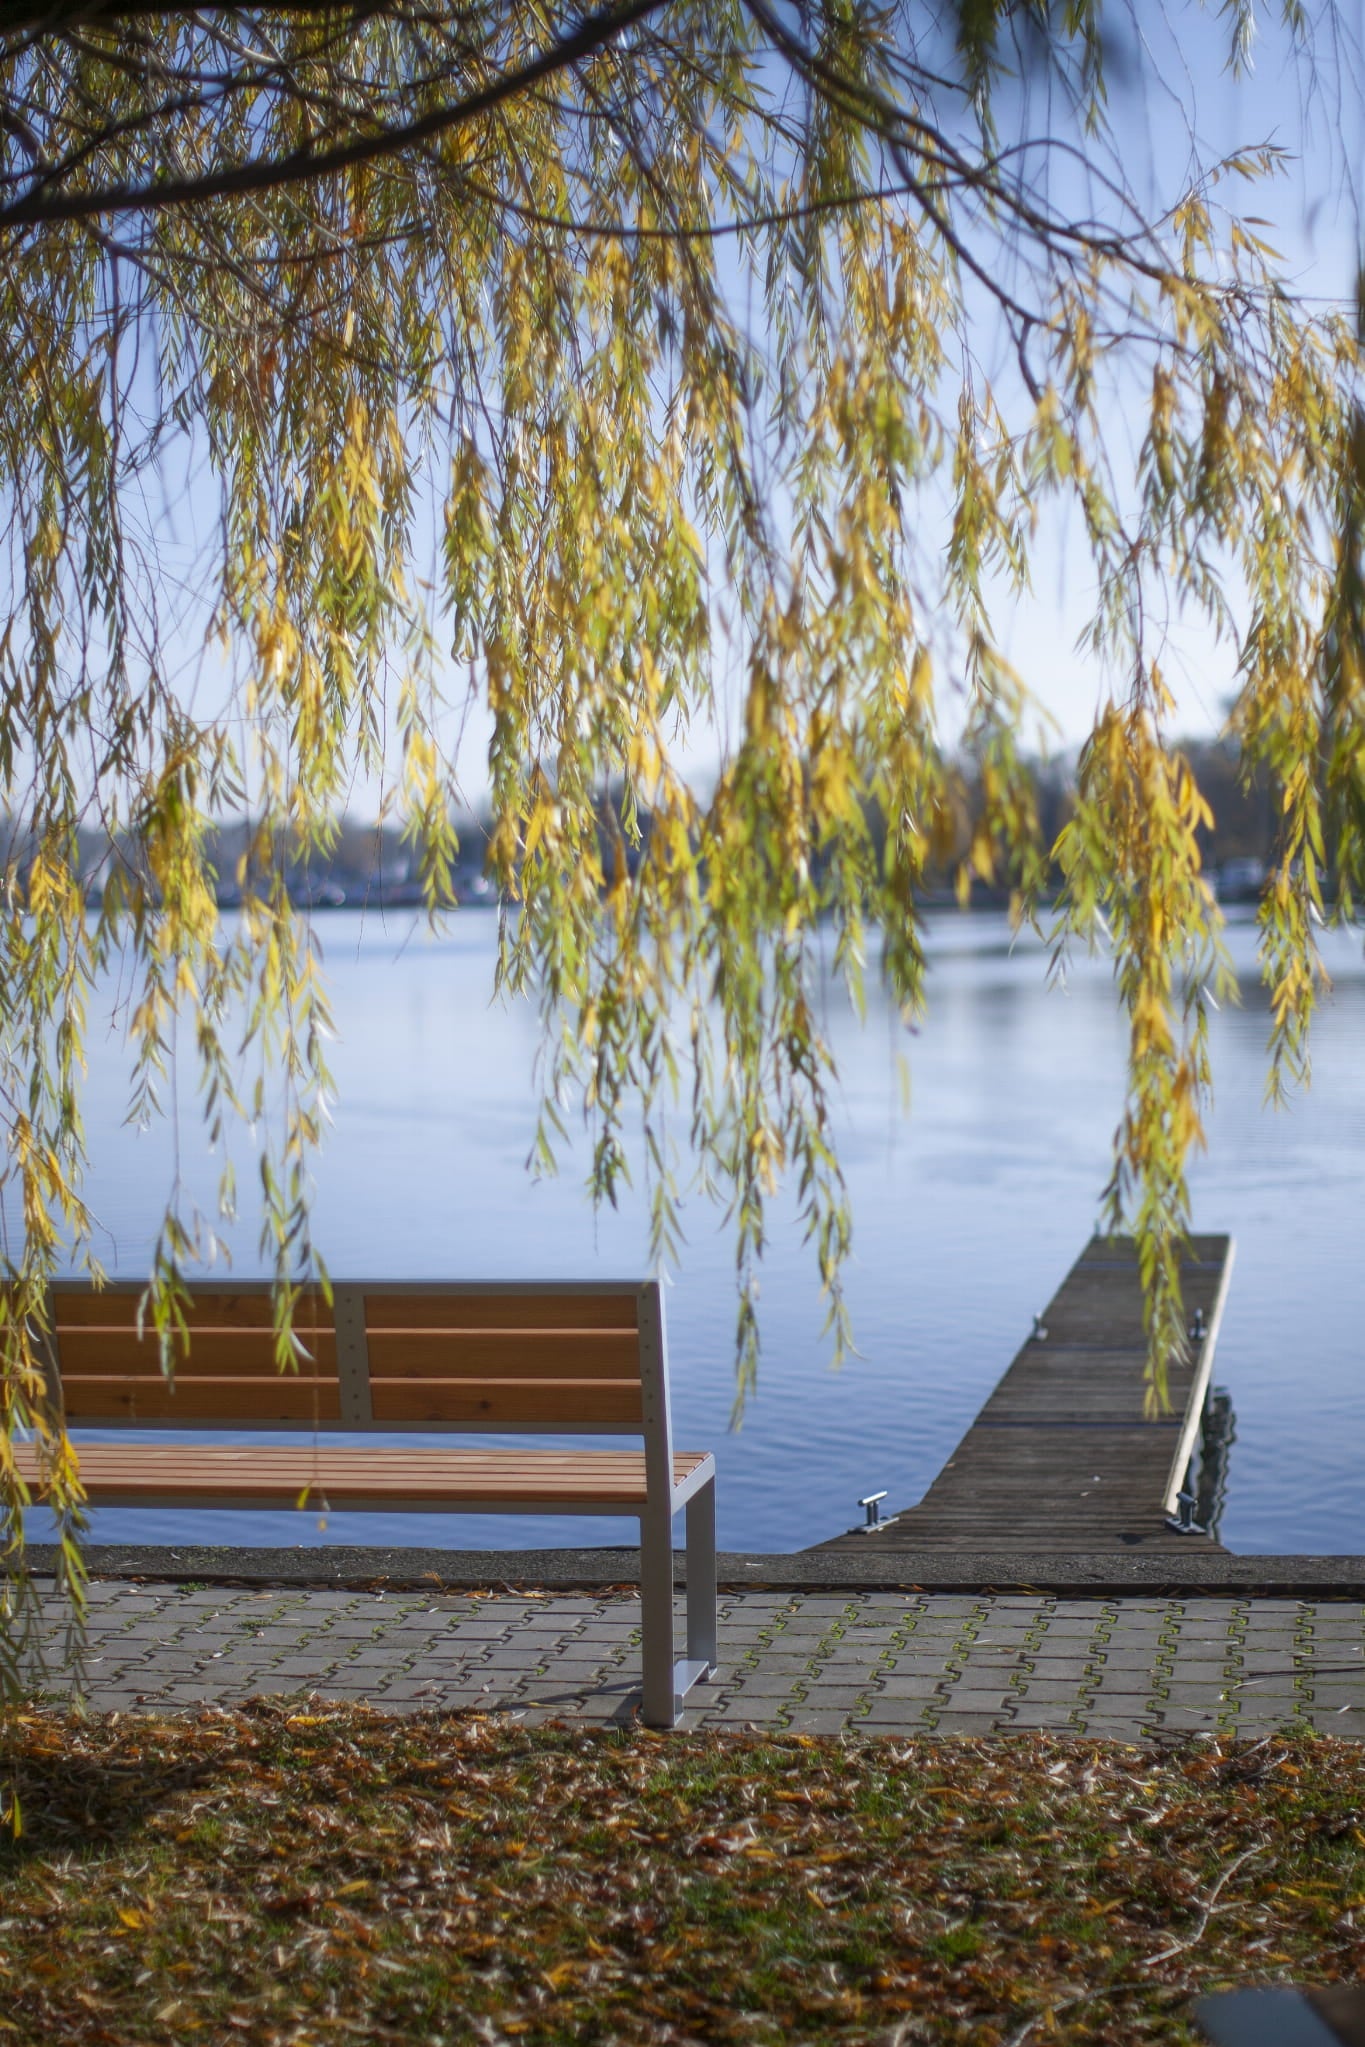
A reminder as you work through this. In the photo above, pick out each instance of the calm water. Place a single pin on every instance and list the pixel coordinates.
(968, 1211)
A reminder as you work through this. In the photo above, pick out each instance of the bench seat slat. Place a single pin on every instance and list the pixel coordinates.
(400, 1477)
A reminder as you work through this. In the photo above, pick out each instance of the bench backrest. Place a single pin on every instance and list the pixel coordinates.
(545, 1358)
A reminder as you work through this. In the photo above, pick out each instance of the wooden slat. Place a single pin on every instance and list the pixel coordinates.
(215, 1353)
(548, 1359)
(587, 1354)
(231, 1402)
(144, 1472)
(519, 1403)
(107, 1309)
(499, 1311)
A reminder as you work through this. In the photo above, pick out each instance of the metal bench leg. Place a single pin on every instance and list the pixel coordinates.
(701, 1578)
(659, 1707)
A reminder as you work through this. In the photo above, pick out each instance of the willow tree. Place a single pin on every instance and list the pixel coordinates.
(358, 359)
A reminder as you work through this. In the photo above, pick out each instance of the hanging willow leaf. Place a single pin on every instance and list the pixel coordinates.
(647, 373)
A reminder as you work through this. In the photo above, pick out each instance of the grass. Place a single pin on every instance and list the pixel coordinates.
(329, 1875)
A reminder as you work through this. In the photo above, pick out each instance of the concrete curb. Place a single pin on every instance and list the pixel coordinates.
(1091, 1575)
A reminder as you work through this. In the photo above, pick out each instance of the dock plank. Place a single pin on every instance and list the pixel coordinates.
(1062, 1457)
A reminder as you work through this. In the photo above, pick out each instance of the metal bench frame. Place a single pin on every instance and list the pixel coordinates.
(666, 1680)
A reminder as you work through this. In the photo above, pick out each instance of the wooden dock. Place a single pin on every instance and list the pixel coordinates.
(1060, 1458)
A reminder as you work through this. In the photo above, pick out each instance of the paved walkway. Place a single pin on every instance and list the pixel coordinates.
(874, 1662)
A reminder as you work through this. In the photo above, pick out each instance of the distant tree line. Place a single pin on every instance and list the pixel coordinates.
(363, 863)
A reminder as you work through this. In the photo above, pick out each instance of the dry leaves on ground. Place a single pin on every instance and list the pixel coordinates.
(328, 1875)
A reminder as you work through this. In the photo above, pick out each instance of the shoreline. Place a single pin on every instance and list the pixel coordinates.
(1066, 1574)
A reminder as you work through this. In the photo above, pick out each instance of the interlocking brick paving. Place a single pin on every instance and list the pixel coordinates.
(911, 1663)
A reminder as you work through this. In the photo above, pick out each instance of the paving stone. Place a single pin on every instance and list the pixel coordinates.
(1121, 1705)
(762, 1684)
(587, 1659)
(955, 1722)
(735, 1713)
(1042, 1714)
(908, 1684)
(903, 1716)
(844, 1699)
(300, 1666)
(936, 1669)
(484, 1632)
(1188, 1720)
(508, 1658)
(776, 1660)
(182, 1693)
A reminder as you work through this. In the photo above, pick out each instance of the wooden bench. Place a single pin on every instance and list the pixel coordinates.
(403, 1359)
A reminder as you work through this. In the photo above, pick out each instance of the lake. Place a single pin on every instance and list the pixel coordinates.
(968, 1210)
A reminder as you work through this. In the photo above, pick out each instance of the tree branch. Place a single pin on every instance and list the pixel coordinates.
(307, 165)
(23, 18)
